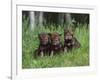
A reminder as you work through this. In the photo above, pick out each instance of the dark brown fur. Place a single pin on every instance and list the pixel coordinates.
(56, 45)
(44, 45)
(70, 41)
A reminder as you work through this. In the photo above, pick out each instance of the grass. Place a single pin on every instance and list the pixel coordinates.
(76, 57)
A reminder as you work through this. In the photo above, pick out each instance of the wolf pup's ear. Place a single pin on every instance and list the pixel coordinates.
(72, 33)
(66, 30)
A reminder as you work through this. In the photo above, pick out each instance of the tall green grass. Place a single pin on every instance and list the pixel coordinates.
(76, 57)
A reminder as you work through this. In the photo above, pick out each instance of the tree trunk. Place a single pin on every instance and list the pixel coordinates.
(68, 18)
(40, 19)
(61, 19)
(32, 19)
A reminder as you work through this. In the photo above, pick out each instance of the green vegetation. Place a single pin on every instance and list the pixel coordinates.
(76, 57)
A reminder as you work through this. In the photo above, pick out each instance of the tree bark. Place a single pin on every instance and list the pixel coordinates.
(61, 19)
(68, 18)
(32, 19)
(40, 19)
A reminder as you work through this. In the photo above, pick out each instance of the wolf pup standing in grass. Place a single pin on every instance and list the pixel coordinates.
(56, 45)
(44, 45)
(70, 40)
